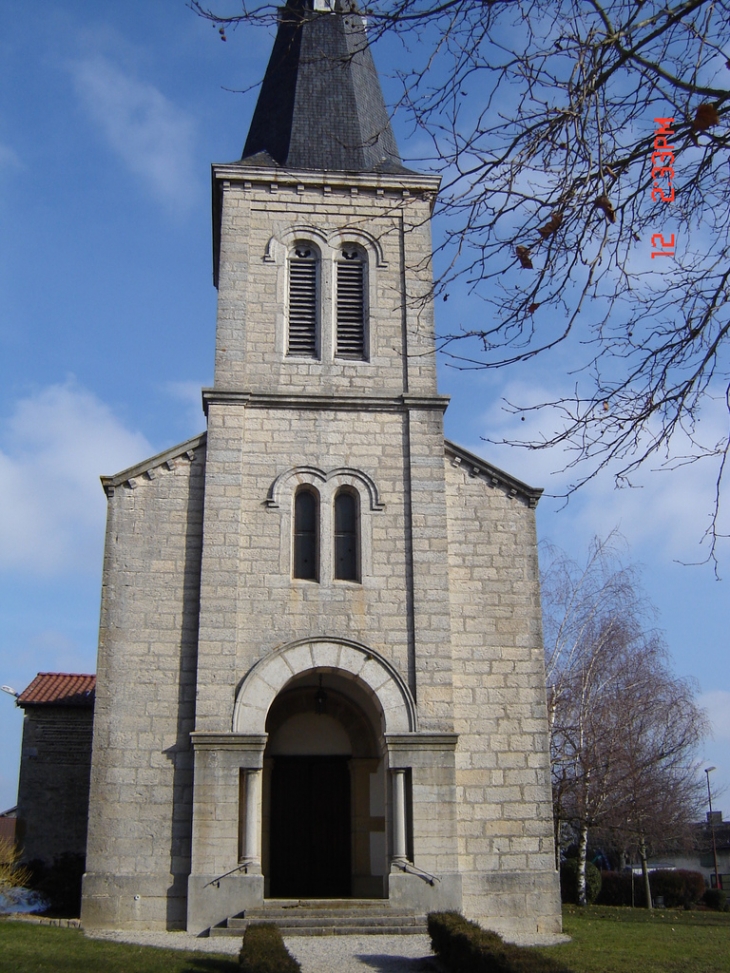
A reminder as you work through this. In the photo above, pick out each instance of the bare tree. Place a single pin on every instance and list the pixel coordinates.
(624, 729)
(583, 147)
(659, 792)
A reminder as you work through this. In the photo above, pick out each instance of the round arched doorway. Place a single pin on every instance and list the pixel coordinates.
(324, 795)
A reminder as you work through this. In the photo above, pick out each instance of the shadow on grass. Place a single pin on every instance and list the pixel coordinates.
(209, 964)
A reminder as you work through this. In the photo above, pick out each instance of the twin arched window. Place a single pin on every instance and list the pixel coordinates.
(304, 338)
(307, 529)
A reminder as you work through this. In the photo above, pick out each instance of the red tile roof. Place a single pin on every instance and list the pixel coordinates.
(59, 689)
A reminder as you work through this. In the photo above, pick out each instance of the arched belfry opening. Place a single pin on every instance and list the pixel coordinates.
(323, 820)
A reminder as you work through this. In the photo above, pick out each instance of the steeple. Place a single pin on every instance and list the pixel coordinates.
(320, 105)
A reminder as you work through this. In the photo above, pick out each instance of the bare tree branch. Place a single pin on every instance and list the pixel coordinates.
(624, 730)
(584, 154)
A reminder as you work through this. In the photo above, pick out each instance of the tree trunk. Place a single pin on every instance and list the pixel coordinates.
(582, 855)
(645, 872)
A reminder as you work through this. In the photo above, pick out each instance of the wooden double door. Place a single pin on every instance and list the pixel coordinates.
(310, 828)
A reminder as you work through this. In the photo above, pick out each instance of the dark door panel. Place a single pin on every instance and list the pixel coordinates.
(310, 827)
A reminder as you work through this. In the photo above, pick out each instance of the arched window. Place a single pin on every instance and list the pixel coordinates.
(306, 535)
(303, 338)
(351, 303)
(347, 536)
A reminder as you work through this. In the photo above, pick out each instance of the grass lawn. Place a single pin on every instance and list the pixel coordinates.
(622, 940)
(28, 948)
(605, 940)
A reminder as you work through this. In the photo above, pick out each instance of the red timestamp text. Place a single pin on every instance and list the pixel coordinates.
(662, 176)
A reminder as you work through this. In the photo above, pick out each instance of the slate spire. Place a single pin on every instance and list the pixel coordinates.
(320, 105)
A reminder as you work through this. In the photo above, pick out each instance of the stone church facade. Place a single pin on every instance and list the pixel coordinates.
(320, 666)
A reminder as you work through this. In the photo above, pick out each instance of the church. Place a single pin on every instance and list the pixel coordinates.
(320, 674)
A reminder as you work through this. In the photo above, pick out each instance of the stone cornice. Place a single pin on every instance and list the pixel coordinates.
(476, 466)
(167, 458)
(421, 741)
(308, 400)
(401, 182)
(202, 740)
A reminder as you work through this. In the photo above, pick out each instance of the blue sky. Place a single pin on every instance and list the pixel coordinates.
(110, 115)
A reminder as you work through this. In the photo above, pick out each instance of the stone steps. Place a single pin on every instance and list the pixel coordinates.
(327, 917)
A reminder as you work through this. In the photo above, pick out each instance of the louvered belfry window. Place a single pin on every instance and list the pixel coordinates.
(303, 303)
(351, 304)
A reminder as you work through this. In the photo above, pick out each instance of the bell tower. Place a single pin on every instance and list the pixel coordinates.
(325, 507)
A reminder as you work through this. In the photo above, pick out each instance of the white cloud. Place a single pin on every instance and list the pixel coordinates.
(52, 450)
(152, 136)
(669, 508)
(189, 394)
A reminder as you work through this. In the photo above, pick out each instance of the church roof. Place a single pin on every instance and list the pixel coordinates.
(476, 466)
(59, 689)
(320, 105)
(167, 458)
(472, 464)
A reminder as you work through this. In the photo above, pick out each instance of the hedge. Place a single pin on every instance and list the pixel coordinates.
(464, 947)
(263, 951)
(679, 887)
(716, 899)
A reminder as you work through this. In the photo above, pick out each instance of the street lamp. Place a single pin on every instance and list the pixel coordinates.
(708, 771)
(9, 691)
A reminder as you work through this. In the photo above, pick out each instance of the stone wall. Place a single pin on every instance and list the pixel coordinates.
(506, 852)
(141, 789)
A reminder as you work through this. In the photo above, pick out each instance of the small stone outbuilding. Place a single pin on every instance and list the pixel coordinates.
(320, 660)
(55, 766)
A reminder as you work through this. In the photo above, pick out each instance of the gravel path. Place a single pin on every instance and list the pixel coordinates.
(326, 954)
(317, 954)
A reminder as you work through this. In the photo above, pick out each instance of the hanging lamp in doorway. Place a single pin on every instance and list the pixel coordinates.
(320, 699)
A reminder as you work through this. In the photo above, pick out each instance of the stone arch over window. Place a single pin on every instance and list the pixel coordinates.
(351, 660)
(305, 554)
(303, 301)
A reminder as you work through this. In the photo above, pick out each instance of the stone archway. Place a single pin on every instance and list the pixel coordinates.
(367, 698)
(323, 802)
(380, 681)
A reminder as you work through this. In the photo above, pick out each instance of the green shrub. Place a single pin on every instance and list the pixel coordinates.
(569, 881)
(263, 951)
(716, 899)
(464, 947)
(615, 889)
(680, 887)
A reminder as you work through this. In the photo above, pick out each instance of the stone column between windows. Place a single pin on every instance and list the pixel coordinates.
(400, 850)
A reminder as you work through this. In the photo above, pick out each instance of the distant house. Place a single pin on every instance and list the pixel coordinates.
(55, 763)
(701, 858)
(8, 821)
